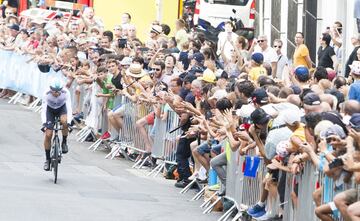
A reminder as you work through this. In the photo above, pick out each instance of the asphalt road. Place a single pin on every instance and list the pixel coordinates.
(89, 186)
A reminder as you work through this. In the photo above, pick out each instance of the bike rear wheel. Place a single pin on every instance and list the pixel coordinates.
(55, 158)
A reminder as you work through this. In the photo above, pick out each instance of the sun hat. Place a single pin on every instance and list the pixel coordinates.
(208, 76)
(136, 71)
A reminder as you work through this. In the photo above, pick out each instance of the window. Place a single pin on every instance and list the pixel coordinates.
(229, 2)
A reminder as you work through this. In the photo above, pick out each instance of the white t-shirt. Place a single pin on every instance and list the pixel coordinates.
(269, 53)
(227, 47)
(282, 62)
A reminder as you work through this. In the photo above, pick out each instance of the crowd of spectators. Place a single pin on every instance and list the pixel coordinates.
(251, 96)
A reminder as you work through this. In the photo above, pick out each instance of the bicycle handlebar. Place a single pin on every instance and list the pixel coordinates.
(70, 129)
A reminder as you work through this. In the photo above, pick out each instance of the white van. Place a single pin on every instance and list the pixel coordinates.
(217, 11)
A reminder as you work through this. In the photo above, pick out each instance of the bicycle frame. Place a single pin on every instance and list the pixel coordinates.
(55, 149)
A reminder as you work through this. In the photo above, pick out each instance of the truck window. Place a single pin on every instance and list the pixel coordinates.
(228, 2)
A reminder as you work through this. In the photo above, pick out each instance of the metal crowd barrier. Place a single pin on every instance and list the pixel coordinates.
(165, 143)
(24, 77)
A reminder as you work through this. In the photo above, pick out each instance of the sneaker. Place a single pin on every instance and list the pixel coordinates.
(106, 135)
(266, 216)
(64, 147)
(47, 165)
(193, 176)
(182, 183)
(201, 181)
(256, 211)
(215, 187)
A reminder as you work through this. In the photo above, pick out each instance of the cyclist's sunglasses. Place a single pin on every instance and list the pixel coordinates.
(55, 89)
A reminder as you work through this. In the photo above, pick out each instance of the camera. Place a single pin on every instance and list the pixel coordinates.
(122, 43)
(338, 162)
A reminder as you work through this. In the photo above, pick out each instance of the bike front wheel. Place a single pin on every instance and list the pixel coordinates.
(55, 158)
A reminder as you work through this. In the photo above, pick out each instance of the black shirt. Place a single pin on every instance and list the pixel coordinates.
(352, 57)
(117, 82)
(324, 57)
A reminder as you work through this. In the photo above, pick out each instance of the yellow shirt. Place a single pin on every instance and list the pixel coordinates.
(299, 56)
(300, 133)
(256, 72)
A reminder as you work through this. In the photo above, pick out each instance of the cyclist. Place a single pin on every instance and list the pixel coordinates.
(56, 103)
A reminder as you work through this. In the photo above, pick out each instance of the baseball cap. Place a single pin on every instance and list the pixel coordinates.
(322, 126)
(355, 68)
(14, 27)
(208, 76)
(126, 61)
(291, 116)
(189, 78)
(333, 130)
(296, 89)
(331, 74)
(199, 57)
(221, 93)
(260, 96)
(311, 99)
(257, 57)
(355, 120)
(157, 29)
(301, 71)
(259, 116)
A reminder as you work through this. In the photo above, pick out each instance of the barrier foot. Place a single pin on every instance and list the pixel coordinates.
(82, 138)
(97, 145)
(208, 200)
(237, 217)
(115, 149)
(37, 109)
(17, 99)
(94, 144)
(81, 131)
(188, 186)
(143, 162)
(154, 170)
(84, 131)
(137, 163)
(226, 215)
(160, 169)
(210, 208)
(16, 96)
(119, 149)
(199, 194)
(34, 104)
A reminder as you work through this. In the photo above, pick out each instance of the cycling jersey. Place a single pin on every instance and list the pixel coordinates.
(56, 106)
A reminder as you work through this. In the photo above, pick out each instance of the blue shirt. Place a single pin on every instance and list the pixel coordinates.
(354, 92)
